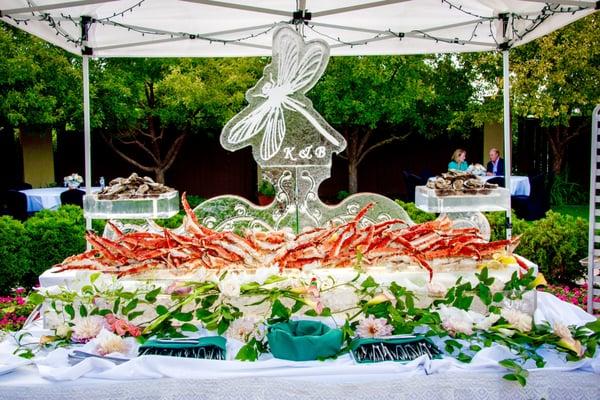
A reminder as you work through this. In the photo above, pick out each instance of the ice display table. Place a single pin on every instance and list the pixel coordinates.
(163, 206)
(427, 200)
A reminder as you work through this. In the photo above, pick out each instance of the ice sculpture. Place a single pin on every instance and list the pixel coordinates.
(292, 144)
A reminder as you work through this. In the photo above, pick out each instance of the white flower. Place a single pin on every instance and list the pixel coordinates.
(50, 290)
(244, 329)
(517, 319)
(562, 331)
(457, 326)
(230, 287)
(436, 289)
(63, 330)
(87, 328)
(108, 342)
(487, 322)
(506, 332)
(455, 320)
(373, 327)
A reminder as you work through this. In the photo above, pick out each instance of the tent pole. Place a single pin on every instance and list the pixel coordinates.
(507, 138)
(86, 135)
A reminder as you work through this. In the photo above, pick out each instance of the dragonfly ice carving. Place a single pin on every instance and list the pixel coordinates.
(295, 68)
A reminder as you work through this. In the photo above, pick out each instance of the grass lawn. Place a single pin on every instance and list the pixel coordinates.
(577, 210)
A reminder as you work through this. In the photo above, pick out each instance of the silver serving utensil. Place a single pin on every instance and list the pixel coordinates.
(82, 355)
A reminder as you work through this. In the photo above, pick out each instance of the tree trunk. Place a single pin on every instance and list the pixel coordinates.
(559, 137)
(352, 176)
(159, 175)
(352, 152)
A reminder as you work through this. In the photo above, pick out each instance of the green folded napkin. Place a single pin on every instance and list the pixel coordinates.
(210, 347)
(402, 349)
(303, 340)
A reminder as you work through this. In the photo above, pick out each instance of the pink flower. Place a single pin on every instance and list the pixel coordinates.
(178, 288)
(373, 327)
(120, 327)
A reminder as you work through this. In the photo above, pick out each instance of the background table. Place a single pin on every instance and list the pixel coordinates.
(46, 198)
(519, 185)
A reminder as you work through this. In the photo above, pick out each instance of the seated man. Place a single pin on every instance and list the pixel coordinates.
(495, 167)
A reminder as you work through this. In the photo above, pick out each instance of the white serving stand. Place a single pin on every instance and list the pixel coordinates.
(464, 209)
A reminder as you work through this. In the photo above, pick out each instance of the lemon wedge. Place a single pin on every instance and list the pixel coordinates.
(504, 258)
(538, 281)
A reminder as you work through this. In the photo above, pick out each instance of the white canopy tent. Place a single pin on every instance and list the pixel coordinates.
(207, 28)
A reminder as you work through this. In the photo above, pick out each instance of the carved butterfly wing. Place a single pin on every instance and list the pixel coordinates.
(287, 51)
(310, 68)
(250, 125)
(274, 133)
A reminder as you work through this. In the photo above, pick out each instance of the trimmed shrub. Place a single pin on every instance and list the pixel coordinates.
(497, 222)
(556, 244)
(14, 254)
(53, 236)
(414, 213)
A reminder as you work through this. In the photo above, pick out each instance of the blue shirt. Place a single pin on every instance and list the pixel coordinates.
(456, 166)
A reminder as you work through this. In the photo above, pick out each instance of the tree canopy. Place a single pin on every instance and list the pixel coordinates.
(40, 84)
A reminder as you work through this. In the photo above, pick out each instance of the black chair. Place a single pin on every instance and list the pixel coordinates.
(411, 181)
(16, 204)
(534, 206)
(20, 186)
(72, 196)
(498, 180)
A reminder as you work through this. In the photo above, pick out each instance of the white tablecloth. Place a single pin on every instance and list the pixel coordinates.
(156, 377)
(46, 198)
(519, 185)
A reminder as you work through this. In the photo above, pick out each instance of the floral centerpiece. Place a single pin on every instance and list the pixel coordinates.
(73, 181)
(100, 303)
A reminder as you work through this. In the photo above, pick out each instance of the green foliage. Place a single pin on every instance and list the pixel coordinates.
(497, 222)
(156, 103)
(564, 192)
(53, 236)
(14, 254)
(556, 243)
(414, 213)
(266, 188)
(342, 194)
(40, 83)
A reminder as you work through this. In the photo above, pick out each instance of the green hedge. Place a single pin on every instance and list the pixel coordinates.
(14, 254)
(53, 236)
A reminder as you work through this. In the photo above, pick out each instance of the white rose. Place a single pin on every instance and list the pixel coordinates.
(87, 327)
(517, 319)
(455, 320)
(63, 330)
(108, 342)
(487, 322)
(562, 331)
(436, 289)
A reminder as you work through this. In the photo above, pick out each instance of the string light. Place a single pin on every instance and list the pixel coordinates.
(122, 13)
(535, 20)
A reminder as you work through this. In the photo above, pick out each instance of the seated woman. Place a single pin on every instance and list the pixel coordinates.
(458, 162)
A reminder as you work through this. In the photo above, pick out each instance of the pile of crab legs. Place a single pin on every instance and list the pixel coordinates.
(384, 243)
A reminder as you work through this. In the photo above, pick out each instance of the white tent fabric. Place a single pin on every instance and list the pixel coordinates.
(201, 28)
(218, 28)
